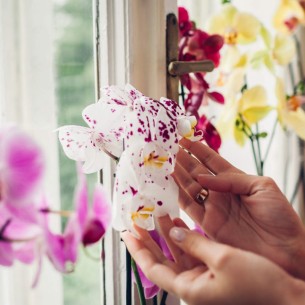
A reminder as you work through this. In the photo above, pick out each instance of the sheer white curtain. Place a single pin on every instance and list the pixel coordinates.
(27, 99)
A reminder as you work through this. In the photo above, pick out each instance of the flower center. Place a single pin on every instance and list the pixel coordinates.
(295, 102)
(142, 212)
(291, 23)
(154, 159)
(231, 36)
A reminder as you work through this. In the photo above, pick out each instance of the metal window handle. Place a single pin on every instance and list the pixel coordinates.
(177, 68)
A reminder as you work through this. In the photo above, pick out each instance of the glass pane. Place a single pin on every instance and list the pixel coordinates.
(75, 90)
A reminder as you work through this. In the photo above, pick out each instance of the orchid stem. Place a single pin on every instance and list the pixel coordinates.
(89, 255)
(138, 281)
(63, 213)
(248, 132)
(295, 191)
(299, 57)
(254, 156)
(291, 75)
(155, 300)
(128, 279)
(270, 140)
(104, 272)
(164, 297)
(260, 160)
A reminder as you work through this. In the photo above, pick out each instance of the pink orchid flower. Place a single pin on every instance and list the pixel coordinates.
(185, 25)
(211, 135)
(86, 226)
(17, 238)
(21, 169)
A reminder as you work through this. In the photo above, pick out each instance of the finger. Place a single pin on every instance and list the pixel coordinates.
(151, 265)
(208, 157)
(178, 222)
(207, 251)
(165, 225)
(148, 241)
(190, 206)
(187, 183)
(190, 163)
(236, 183)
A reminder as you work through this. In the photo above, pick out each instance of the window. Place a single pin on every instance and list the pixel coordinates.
(53, 56)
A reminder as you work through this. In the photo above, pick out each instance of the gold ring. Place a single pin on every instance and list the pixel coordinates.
(202, 195)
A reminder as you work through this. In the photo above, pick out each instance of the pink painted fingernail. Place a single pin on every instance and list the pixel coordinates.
(177, 234)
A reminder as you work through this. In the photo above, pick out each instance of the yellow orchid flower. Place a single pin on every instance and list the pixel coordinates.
(232, 58)
(250, 108)
(253, 105)
(288, 16)
(226, 120)
(279, 50)
(236, 27)
(290, 112)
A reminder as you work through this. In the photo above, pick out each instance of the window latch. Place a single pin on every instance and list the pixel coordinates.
(176, 68)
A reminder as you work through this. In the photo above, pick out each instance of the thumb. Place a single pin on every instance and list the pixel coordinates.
(198, 246)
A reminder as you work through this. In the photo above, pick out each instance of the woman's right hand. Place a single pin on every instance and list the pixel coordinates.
(244, 211)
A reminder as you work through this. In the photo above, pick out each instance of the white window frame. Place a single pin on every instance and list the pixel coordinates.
(132, 36)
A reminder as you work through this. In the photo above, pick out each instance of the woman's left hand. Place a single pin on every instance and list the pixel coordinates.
(206, 272)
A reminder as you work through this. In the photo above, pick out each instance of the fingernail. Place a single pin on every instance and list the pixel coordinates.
(177, 234)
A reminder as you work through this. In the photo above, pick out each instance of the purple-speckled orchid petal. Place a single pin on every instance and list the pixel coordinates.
(22, 167)
(107, 120)
(131, 205)
(120, 96)
(167, 199)
(151, 163)
(75, 140)
(137, 198)
(140, 122)
(83, 144)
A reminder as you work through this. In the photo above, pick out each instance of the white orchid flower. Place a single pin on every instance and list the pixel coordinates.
(105, 131)
(138, 198)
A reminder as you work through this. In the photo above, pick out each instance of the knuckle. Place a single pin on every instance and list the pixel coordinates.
(223, 259)
(267, 182)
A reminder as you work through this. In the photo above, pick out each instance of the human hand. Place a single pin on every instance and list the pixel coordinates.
(205, 272)
(244, 211)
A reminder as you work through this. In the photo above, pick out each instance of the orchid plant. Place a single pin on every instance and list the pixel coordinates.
(25, 232)
(239, 43)
(142, 135)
